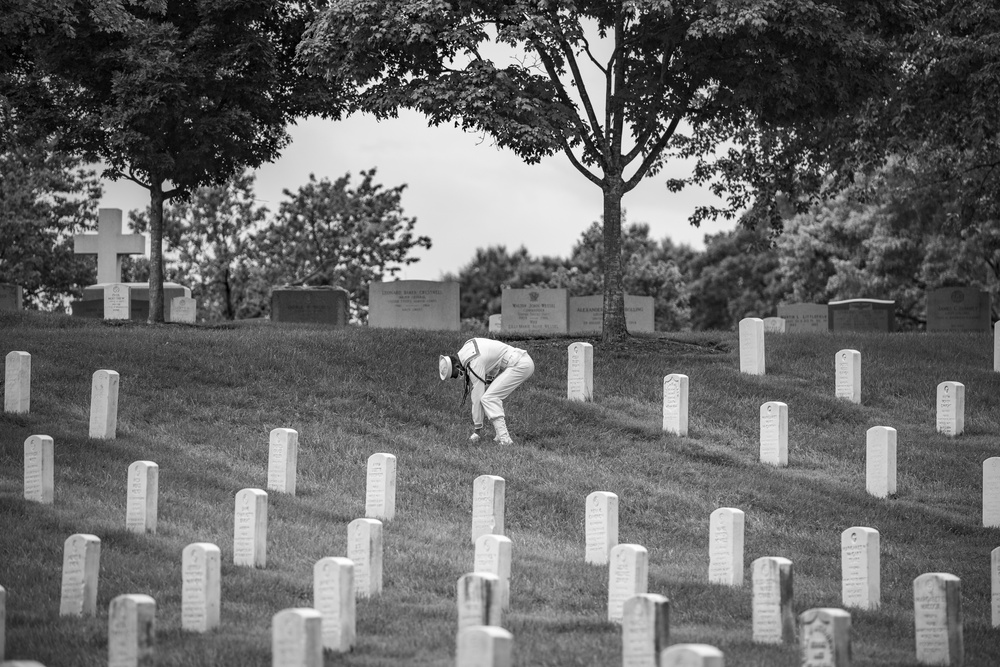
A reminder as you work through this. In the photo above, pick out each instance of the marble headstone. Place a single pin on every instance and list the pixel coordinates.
(991, 492)
(297, 638)
(39, 469)
(535, 311)
(142, 497)
(752, 346)
(484, 646)
(773, 616)
(675, 404)
(334, 597)
(805, 317)
(937, 616)
(414, 304)
(847, 367)
(479, 600)
(860, 568)
(825, 637)
(201, 587)
(951, 408)
(580, 372)
(364, 548)
(282, 460)
(774, 434)
(628, 575)
(380, 487)
(250, 529)
(487, 506)
(131, 631)
(600, 526)
(493, 555)
(17, 383)
(725, 546)
(645, 629)
(880, 461)
(691, 655)
(81, 565)
(104, 405)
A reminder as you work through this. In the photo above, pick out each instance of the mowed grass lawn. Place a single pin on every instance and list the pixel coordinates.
(200, 402)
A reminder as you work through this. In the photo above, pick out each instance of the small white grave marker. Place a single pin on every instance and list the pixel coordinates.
(297, 638)
(380, 489)
(364, 548)
(143, 490)
(478, 600)
(17, 383)
(487, 506)
(484, 646)
(496, 323)
(752, 346)
(580, 372)
(847, 364)
(493, 555)
(201, 587)
(39, 469)
(117, 301)
(774, 434)
(183, 309)
(991, 492)
(825, 637)
(860, 568)
(333, 596)
(691, 655)
(675, 404)
(250, 528)
(995, 585)
(725, 546)
(282, 460)
(951, 408)
(996, 347)
(131, 631)
(937, 616)
(3, 622)
(628, 575)
(645, 629)
(880, 461)
(601, 526)
(773, 617)
(774, 325)
(104, 405)
(81, 564)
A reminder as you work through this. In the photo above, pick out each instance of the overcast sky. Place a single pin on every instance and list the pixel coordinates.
(464, 192)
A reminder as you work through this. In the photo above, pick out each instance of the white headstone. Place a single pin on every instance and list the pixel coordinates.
(487, 506)
(691, 655)
(333, 596)
(3, 622)
(991, 492)
(951, 408)
(752, 346)
(628, 575)
(860, 568)
(17, 383)
(493, 555)
(535, 311)
(995, 585)
(937, 616)
(675, 404)
(183, 309)
(131, 631)
(580, 372)
(774, 433)
(250, 528)
(484, 646)
(104, 405)
(725, 546)
(297, 638)
(600, 526)
(825, 637)
(364, 548)
(773, 617)
(414, 304)
(81, 564)
(39, 469)
(201, 586)
(996, 347)
(117, 301)
(109, 244)
(645, 629)
(380, 488)
(479, 600)
(880, 461)
(774, 325)
(847, 366)
(143, 490)
(282, 460)
(496, 323)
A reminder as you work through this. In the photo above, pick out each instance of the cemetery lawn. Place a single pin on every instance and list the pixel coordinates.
(200, 402)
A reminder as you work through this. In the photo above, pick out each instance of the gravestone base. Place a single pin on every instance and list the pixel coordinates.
(92, 304)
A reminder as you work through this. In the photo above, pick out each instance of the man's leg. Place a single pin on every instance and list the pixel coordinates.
(492, 401)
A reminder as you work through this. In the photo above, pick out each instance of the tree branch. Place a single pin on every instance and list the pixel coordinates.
(599, 182)
(653, 153)
(582, 88)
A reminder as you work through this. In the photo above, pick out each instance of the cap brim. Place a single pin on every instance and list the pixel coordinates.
(444, 367)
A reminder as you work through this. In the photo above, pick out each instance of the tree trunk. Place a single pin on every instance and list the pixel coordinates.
(614, 294)
(156, 253)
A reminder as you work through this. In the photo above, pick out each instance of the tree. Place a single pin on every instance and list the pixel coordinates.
(750, 90)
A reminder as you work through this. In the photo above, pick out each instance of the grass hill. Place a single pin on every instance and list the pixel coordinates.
(200, 401)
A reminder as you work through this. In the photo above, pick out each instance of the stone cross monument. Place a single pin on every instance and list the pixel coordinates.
(109, 244)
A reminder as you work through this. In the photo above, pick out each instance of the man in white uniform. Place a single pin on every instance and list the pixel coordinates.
(492, 371)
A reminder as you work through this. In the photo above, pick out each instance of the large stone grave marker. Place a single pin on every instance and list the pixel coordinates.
(752, 346)
(414, 304)
(586, 314)
(17, 383)
(131, 631)
(877, 315)
(600, 526)
(880, 461)
(104, 405)
(995, 585)
(484, 646)
(805, 317)
(310, 305)
(774, 433)
(493, 555)
(691, 655)
(535, 311)
(951, 408)
(92, 304)
(774, 325)
(297, 638)
(725, 546)
(39, 469)
(183, 310)
(628, 575)
(282, 460)
(380, 487)
(81, 564)
(937, 617)
(334, 597)
(487, 506)
(201, 587)
(580, 372)
(991, 492)
(142, 497)
(825, 637)
(675, 404)
(109, 244)
(958, 309)
(250, 529)
(479, 600)
(11, 297)
(117, 302)
(847, 368)
(364, 548)
(860, 568)
(773, 617)
(645, 629)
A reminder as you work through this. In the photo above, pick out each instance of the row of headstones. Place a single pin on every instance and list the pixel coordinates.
(118, 305)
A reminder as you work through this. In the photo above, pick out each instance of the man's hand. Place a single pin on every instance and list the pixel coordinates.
(477, 435)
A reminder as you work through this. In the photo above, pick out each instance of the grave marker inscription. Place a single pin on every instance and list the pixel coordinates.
(478, 600)
(847, 365)
(645, 629)
(131, 631)
(17, 383)
(951, 408)
(773, 617)
(628, 575)
(487, 506)
(600, 526)
(334, 598)
(250, 529)
(39, 469)
(991, 492)
(297, 638)
(104, 405)
(860, 568)
(880, 461)
(675, 404)
(201, 587)
(81, 565)
(825, 638)
(774, 434)
(937, 617)
(282, 460)
(752, 346)
(380, 487)
(493, 555)
(580, 372)
(364, 548)
(725, 548)
(141, 500)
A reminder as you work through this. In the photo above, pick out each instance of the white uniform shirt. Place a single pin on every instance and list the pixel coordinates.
(484, 359)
